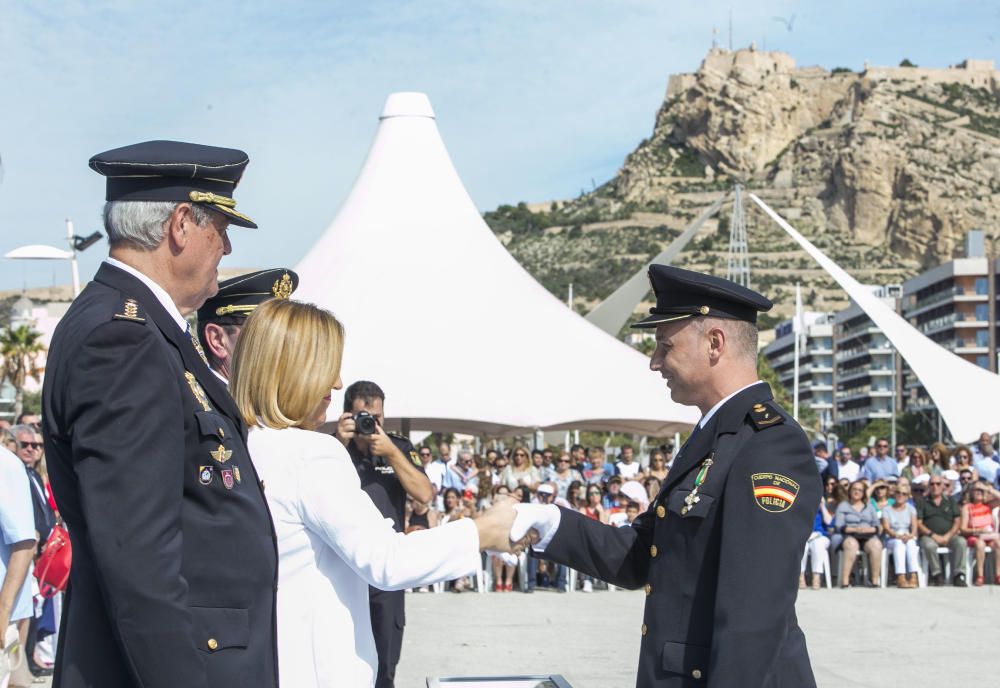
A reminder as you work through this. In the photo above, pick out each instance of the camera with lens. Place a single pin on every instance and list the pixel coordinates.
(364, 423)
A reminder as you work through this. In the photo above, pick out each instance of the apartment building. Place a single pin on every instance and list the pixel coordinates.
(815, 363)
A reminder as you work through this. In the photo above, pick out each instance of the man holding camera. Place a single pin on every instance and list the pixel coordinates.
(390, 469)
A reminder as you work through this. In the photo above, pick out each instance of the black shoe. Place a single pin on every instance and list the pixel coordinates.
(959, 581)
(937, 580)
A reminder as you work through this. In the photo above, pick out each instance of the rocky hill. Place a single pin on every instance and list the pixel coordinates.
(886, 170)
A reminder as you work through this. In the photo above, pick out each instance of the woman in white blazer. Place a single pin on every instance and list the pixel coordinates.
(332, 541)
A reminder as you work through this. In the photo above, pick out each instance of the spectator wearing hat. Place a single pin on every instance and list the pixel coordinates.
(612, 496)
(881, 465)
(221, 317)
(878, 496)
(938, 522)
(977, 525)
(174, 562)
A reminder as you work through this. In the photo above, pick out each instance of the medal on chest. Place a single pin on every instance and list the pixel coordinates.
(693, 497)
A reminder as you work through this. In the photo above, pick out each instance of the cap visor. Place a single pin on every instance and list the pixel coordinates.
(235, 218)
(655, 319)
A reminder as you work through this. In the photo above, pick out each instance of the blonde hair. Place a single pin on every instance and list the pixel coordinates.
(287, 359)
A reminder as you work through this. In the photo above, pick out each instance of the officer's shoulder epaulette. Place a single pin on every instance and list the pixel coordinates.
(398, 436)
(766, 414)
(130, 310)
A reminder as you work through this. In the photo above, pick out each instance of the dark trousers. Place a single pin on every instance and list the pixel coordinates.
(388, 619)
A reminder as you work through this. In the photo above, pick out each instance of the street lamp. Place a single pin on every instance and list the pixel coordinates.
(43, 252)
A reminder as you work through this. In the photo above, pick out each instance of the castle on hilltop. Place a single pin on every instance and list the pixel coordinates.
(722, 62)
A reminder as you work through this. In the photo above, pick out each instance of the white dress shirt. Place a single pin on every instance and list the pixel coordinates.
(332, 544)
(159, 292)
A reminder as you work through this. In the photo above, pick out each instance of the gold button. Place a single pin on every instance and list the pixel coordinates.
(652, 551)
(660, 511)
(213, 644)
(644, 629)
(649, 589)
(696, 674)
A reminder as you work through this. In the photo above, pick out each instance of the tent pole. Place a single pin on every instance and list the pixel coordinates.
(404, 428)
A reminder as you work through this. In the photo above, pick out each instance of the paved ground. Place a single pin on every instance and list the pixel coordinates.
(858, 638)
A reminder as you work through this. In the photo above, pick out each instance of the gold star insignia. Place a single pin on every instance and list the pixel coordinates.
(221, 454)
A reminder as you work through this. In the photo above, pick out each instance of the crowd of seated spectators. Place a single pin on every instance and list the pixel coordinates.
(926, 514)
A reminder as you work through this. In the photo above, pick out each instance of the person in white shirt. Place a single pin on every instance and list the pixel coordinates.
(332, 541)
(848, 468)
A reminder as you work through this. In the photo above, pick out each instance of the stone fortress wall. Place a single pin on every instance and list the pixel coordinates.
(722, 62)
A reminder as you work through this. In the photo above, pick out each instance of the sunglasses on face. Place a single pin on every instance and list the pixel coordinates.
(31, 445)
(935, 482)
(882, 446)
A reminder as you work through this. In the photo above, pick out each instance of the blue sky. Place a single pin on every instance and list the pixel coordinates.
(535, 100)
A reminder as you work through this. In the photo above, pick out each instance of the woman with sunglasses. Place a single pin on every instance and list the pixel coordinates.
(857, 528)
(963, 461)
(592, 508)
(899, 522)
(657, 465)
(521, 471)
(332, 541)
(917, 465)
(977, 526)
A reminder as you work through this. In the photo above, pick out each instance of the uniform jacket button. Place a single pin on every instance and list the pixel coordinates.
(645, 629)
(652, 551)
(696, 674)
(213, 644)
(660, 511)
(648, 589)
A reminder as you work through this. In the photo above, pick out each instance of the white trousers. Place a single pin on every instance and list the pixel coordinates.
(904, 551)
(815, 548)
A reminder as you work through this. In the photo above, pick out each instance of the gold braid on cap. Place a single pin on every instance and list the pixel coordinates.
(208, 197)
(282, 288)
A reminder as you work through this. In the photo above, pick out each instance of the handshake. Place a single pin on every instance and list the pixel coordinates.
(510, 526)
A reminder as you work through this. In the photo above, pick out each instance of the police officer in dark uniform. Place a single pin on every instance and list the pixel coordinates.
(221, 318)
(390, 469)
(718, 550)
(174, 559)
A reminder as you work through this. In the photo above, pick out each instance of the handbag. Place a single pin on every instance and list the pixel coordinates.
(52, 566)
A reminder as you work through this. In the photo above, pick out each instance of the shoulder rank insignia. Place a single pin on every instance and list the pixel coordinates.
(416, 459)
(197, 391)
(774, 492)
(131, 312)
(765, 415)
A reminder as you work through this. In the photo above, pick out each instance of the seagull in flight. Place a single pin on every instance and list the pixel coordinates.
(789, 22)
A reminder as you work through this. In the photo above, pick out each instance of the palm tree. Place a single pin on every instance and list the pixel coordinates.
(20, 348)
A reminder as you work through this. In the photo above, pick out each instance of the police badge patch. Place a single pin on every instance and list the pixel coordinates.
(205, 474)
(774, 492)
(227, 478)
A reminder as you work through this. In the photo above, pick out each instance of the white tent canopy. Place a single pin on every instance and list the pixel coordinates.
(438, 313)
(962, 391)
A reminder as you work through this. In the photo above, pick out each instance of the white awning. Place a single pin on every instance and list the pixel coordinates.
(441, 316)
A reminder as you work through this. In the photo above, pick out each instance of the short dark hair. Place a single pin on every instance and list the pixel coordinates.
(364, 390)
(575, 447)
